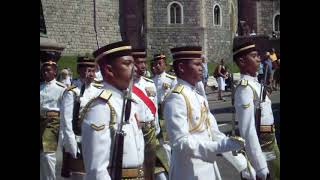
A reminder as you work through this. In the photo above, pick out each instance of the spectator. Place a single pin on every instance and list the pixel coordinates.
(65, 78)
(275, 65)
(221, 75)
(204, 71)
(260, 72)
(267, 61)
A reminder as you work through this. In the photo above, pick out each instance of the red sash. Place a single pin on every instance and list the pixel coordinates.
(145, 99)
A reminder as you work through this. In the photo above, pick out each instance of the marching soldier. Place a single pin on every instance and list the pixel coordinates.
(74, 99)
(145, 93)
(258, 131)
(101, 119)
(50, 99)
(164, 83)
(191, 127)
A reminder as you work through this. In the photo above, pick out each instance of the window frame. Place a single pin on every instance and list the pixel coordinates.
(169, 12)
(274, 22)
(220, 14)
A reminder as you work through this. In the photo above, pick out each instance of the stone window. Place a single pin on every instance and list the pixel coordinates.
(175, 13)
(276, 23)
(216, 15)
(42, 22)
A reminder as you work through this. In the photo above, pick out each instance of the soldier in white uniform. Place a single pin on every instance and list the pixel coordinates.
(102, 117)
(50, 99)
(261, 147)
(74, 99)
(164, 83)
(145, 92)
(191, 128)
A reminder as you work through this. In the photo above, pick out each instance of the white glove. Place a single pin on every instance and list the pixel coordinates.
(72, 148)
(262, 174)
(229, 144)
(249, 173)
(239, 140)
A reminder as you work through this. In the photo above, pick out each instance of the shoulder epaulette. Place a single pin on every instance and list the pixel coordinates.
(99, 86)
(60, 84)
(105, 95)
(97, 81)
(71, 88)
(147, 79)
(170, 76)
(178, 89)
(244, 82)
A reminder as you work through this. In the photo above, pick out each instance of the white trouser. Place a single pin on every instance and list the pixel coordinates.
(161, 176)
(47, 166)
(221, 83)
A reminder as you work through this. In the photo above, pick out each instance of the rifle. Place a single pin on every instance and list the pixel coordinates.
(117, 153)
(76, 109)
(262, 97)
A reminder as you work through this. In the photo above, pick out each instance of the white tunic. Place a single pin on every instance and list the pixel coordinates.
(245, 108)
(69, 138)
(50, 96)
(193, 153)
(96, 137)
(149, 90)
(164, 83)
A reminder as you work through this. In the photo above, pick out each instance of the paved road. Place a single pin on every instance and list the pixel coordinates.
(222, 112)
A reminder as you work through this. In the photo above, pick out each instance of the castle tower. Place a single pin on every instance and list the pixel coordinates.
(208, 23)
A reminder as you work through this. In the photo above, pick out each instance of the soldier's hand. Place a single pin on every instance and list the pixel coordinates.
(248, 173)
(262, 174)
(72, 149)
(238, 140)
(229, 144)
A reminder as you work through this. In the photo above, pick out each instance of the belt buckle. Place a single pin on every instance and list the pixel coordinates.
(140, 172)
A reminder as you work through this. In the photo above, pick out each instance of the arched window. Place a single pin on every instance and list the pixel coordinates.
(216, 15)
(175, 13)
(276, 23)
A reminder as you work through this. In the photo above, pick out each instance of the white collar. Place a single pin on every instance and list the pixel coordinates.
(115, 92)
(248, 77)
(162, 74)
(186, 84)
(51, 82)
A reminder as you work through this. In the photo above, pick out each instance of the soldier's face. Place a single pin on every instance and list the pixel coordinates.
(251, 63)
(48, 72)
(159, 66)
(122, 68)
(192, 71)
(90, 74)
(140, 64)
(87, 73)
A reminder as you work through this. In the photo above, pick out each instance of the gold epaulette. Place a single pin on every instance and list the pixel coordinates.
(147, 79)
(170, 76)
(99, 86)
(105, 95)
(178, 89)
(244, 82)
(71, 88)
(97, 81)
(60, 84)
